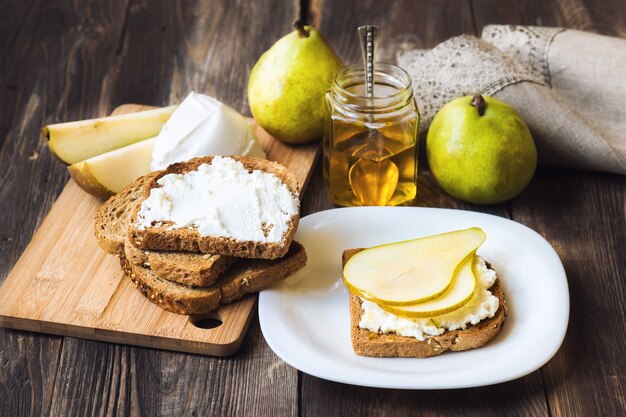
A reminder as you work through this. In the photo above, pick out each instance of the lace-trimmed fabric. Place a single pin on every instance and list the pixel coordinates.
(528, 46)
(460, 66)
(568, 85)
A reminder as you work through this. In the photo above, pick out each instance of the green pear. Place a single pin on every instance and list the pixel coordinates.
(480, 150)
(287, 85)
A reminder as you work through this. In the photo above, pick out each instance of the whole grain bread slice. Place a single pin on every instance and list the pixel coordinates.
(367, 343)
(166, 238)
(244, 277)
(111, 230)
(192, 269)
(111, 224)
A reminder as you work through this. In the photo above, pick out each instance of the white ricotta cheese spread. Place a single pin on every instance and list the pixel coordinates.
(222, 199)
(482, 305)
(203, 126)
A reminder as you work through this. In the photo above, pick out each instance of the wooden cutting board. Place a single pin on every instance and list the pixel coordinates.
(65, 284)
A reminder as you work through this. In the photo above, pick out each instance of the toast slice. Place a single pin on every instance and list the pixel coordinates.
(244, 277)
(165, 238)
(192, 269)
(111, 230)
(111, 224)
(387, 345)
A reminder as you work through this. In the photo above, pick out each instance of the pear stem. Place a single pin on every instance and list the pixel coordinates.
(479, 102)
(299, 26)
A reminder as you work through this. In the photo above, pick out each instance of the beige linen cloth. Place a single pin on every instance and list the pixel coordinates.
(568, 85)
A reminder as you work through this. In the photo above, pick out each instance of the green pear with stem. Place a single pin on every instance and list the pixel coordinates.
(480, 150)
(287, 85)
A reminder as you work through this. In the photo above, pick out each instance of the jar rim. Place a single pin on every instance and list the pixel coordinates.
(380, 68)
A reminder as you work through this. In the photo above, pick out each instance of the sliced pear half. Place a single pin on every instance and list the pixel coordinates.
(456, 296)
(77, 141)
(410, 272)
(108, 174)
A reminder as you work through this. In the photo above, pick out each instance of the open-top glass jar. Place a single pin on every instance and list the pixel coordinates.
(371, 143)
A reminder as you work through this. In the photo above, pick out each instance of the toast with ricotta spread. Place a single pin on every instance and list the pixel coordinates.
(111, 230)
(190, 282)
(389, 344)
(234, 206)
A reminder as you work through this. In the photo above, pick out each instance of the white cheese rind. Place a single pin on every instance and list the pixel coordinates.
(222, 199)
(482, 305)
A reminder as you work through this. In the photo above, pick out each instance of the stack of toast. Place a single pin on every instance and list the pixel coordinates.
(183, 271)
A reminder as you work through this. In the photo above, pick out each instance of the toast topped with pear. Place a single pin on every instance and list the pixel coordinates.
(234, 206)
(423, 297)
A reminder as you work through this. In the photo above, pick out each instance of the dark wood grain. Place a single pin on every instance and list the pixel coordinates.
(54, 55)
(316, 198)
(523, 397)
(404, 24)
(69, 60)
(57, 73)
(28, 370)
(605, 17)
(172, 47)
(99, 379)
(582, 216)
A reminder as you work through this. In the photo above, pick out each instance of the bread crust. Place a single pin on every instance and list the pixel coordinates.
(111, 222)
(111, 230)
(192, 269)
(244, 277)
(367, 343)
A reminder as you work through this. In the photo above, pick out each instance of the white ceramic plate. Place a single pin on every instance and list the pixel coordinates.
(305, 320)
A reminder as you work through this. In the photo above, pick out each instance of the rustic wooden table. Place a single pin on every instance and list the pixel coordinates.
(62, 60)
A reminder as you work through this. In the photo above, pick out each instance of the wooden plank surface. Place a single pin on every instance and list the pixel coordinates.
(62, 60)
(53, 56)
(60, 26)
(582, 215)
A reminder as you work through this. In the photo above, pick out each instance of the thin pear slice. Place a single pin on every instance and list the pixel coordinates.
(410, 272)
(456, 296)
(77, 141)
(108, 174)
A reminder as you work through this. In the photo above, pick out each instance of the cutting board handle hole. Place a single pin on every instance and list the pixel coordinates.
(206, 322)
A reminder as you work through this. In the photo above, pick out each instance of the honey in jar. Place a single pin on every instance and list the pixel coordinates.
(370, 143)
